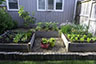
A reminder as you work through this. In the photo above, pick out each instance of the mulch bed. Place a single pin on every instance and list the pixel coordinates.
(58, 48)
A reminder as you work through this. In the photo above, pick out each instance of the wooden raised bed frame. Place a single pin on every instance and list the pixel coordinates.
(17, 47)
(78, 47)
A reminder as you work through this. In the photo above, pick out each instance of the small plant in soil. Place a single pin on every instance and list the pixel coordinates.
(52, 42)
(44, 43)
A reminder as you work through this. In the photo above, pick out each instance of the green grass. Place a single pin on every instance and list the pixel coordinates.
(48, 62)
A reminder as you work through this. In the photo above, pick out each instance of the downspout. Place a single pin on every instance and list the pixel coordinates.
(75, 9)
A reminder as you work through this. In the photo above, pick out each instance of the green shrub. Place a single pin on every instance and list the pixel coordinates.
(6, 21)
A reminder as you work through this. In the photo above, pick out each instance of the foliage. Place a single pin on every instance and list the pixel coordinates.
(26, 16)
(22, 36)
(47, 26)
(17, 37)
(79, 29)
(66, 29)
(75, 29)
(52, 42)
(1, 1)
(81, 38)
(6, 21)
(44, 41)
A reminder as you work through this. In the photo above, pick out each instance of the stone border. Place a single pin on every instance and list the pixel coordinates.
(78, 47)
(24, 47)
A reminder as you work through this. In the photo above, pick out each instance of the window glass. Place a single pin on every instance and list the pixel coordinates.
(41, 4)
(58, 4)
(13, 4)
(44, 5)
(51, 4)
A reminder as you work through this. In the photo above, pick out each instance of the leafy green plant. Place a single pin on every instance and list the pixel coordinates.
(79, 29)
(66, 29)
(85, 36)
(38, 28)
(69, 35)
(24, 38)
(72, 39)
(44, 41)
(76, 38)
(17, 38)
(6, 22)
(82, 39)
(89, 35)
(54, 26)
(26, 16)
(47, 26)
(73, 35)
(88, 40)
(52, 42)
(78, 35)
(32, 30)
(93, 38)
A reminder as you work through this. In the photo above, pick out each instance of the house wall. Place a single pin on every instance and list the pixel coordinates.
(54, 16)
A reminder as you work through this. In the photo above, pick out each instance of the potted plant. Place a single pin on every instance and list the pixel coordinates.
(44, 43)
(52, 42)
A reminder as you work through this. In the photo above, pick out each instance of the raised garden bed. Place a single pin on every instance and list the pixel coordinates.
(78, 47)
(10, 41)
(59, 45)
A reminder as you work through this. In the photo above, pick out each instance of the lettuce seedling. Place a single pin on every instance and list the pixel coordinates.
(88, 40)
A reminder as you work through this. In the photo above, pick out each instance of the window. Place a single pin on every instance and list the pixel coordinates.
(85, 9)
(58, 4)
(13, 5)
(50, 5)
(41, 4)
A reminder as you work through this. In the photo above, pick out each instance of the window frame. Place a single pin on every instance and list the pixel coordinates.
(7, 1)
(46, 6)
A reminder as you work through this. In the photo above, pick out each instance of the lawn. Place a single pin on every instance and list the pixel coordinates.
(49, 62)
